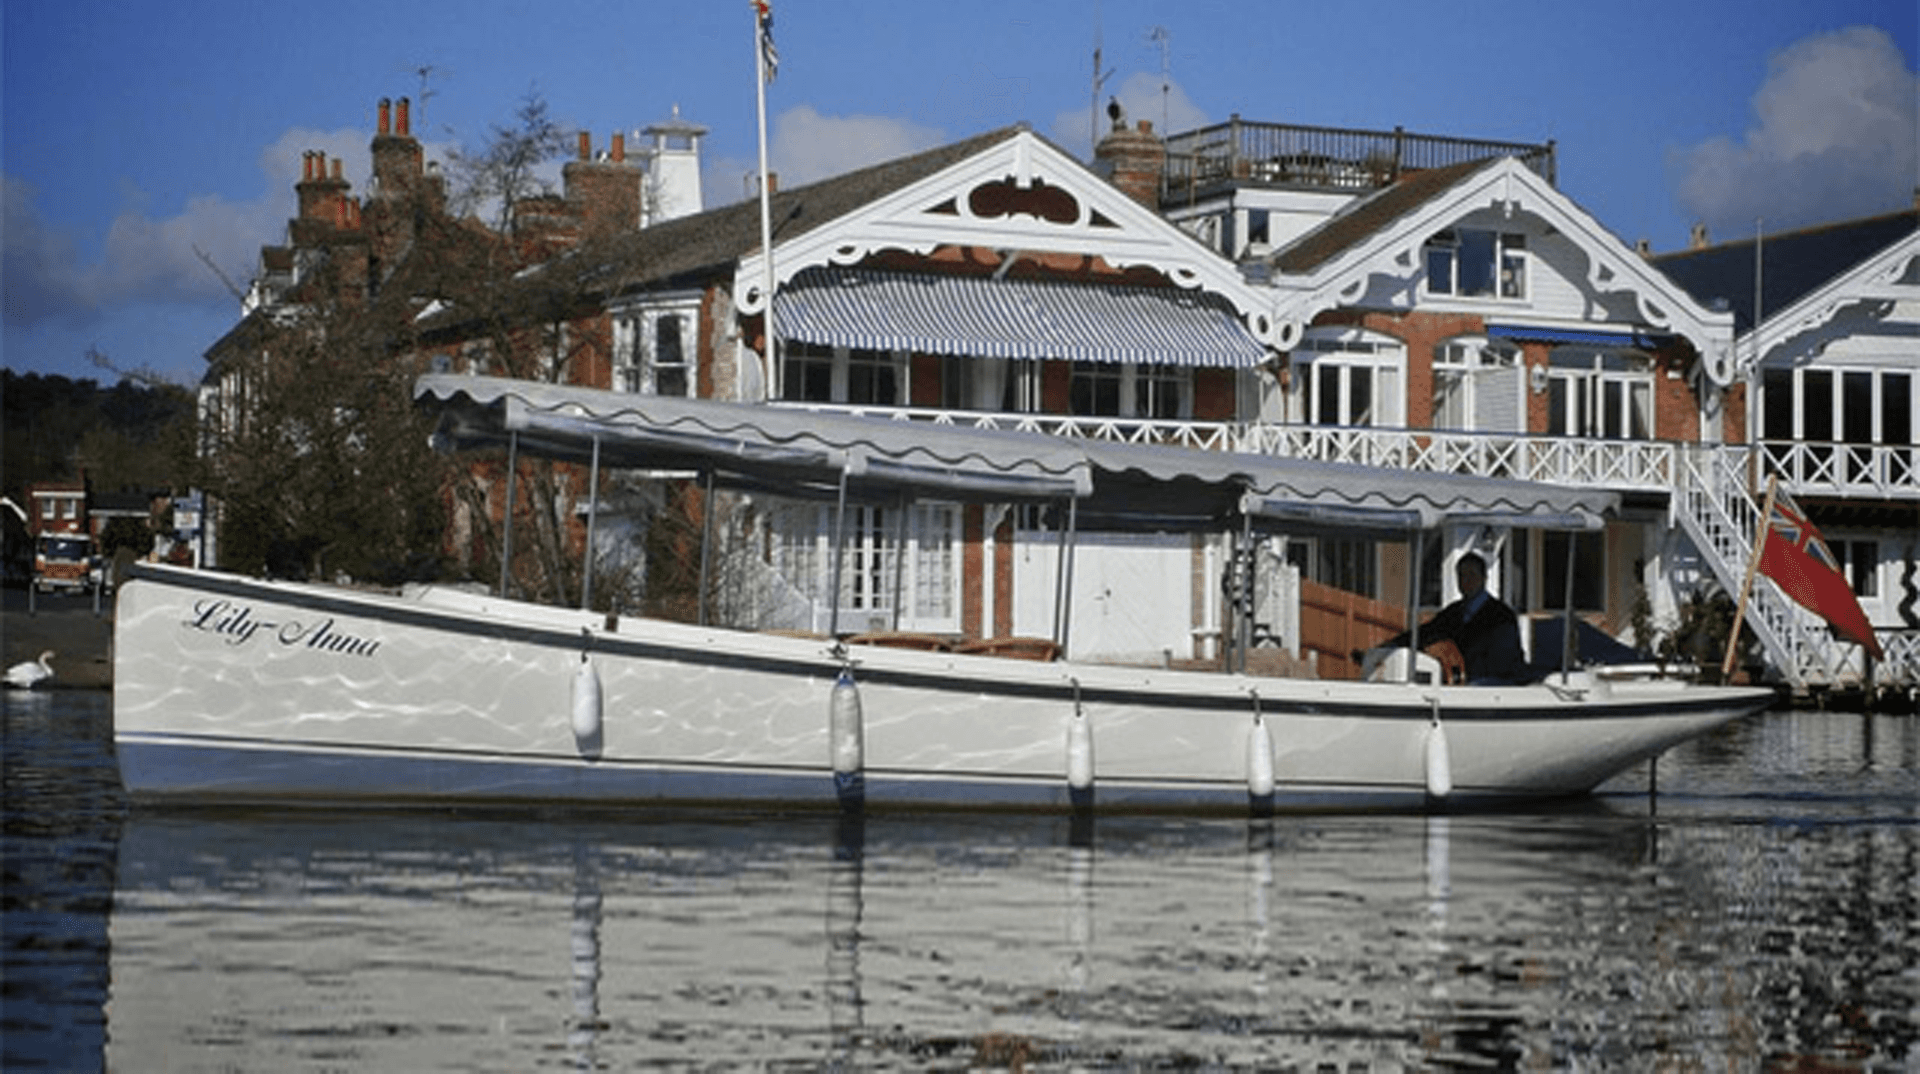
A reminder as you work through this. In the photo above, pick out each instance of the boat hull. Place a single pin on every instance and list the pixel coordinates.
(230, 689)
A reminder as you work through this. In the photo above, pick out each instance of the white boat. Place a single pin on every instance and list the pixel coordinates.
(235, 689)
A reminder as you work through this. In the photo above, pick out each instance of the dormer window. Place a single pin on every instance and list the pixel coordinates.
(1474, 263)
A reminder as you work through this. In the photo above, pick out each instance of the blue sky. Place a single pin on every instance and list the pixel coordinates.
(144, 140)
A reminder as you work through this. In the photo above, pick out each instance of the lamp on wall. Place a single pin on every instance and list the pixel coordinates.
(1537, 378)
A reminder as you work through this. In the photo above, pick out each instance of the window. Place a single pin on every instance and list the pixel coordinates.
(1589, 572)
(1476, 386)
(652, 352)
(876, 582)
(1131, 390)
(1473, 263)
(1343, 563)
(972, 383)
(1348, 380)
(1860, 562)
(818, 373)
(1604, 394)
(1856, 406)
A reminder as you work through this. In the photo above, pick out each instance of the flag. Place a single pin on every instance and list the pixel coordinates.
(769, 57)
(1798, 561)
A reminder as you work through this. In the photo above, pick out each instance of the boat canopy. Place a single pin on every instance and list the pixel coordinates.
(797, 452)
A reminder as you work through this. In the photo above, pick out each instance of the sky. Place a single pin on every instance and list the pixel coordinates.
(149, 150)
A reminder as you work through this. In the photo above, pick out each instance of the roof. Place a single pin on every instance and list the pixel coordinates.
(1371, 215)
(689, 247)
(1792, 265)
(792, 451)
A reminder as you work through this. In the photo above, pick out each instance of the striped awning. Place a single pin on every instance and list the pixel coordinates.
(988, 318)
(1631, 339)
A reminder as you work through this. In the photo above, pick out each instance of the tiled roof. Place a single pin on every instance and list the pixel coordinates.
(1792, 265)
(711, 242)
(1370, 216)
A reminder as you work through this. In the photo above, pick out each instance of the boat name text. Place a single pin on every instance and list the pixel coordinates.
(238, 624)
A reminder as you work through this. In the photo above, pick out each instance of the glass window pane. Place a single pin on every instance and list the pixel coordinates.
(1776, 414)
(1816, 405)
(1856, 389)
(1896, 409)
(1476, 266)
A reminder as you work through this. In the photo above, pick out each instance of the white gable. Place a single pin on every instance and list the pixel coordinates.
(1079, 214)
(1584, 277)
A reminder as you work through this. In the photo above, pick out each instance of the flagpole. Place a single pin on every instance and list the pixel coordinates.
(1753, 568)
(766, 205)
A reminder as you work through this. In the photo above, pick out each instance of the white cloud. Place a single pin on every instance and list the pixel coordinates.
(147, 258)
(1836, 136)
(39, 264)
(807, 146)
(1143, 96)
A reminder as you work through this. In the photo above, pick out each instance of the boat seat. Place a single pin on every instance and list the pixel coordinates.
(1017, 648)
(902, 639)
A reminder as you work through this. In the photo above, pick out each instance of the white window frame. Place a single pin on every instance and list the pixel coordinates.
(1138, 386)
(1592, 393)
(929, 578)
(639, 367)
(1458, 365)
(1507, 269)
(840, 363)
(1334, 361)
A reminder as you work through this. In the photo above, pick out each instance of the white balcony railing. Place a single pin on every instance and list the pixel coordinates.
(1848, 471)
(1866, 471)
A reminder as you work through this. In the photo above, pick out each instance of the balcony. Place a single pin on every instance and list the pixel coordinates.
(1325, 158)
(1844, 471)
(1860, 471)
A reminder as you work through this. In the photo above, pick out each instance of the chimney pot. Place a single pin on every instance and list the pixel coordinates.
(619, 147)
(1146, 126)
(336, 168)
(386, 122)
(400, 125)
(586, 145)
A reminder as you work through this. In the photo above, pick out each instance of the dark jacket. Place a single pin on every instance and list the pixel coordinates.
(1489, 642)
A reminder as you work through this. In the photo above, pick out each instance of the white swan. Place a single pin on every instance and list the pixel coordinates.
(30, 673)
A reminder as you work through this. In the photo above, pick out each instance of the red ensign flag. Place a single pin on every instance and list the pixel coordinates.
(1797, 560)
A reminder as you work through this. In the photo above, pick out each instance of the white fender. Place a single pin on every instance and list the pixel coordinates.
(587, 704)
(1259, 759)
(845, 726)
(1439, 761)
(1079, 751)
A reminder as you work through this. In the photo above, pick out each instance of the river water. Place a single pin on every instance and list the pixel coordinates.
(1760, 912)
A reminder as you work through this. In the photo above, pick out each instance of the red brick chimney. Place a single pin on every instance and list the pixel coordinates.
(603, 194)
(1135, 160)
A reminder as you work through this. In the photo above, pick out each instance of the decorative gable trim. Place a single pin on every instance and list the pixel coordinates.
(1875, 284)
(1506, 185)
(1021, 195)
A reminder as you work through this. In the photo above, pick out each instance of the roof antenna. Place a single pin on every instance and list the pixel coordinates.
(1159, 35)
(1099, 79)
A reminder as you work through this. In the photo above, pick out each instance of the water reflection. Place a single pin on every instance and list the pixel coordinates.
(1765, 914)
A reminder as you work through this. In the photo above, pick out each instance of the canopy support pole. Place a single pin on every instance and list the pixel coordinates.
(839, 557)
(1566, 623)
(899, 557)
(1419, 549)
(593, 509)
(506, 540)
(1243, 630)
(706, 543)
(1063, 583)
